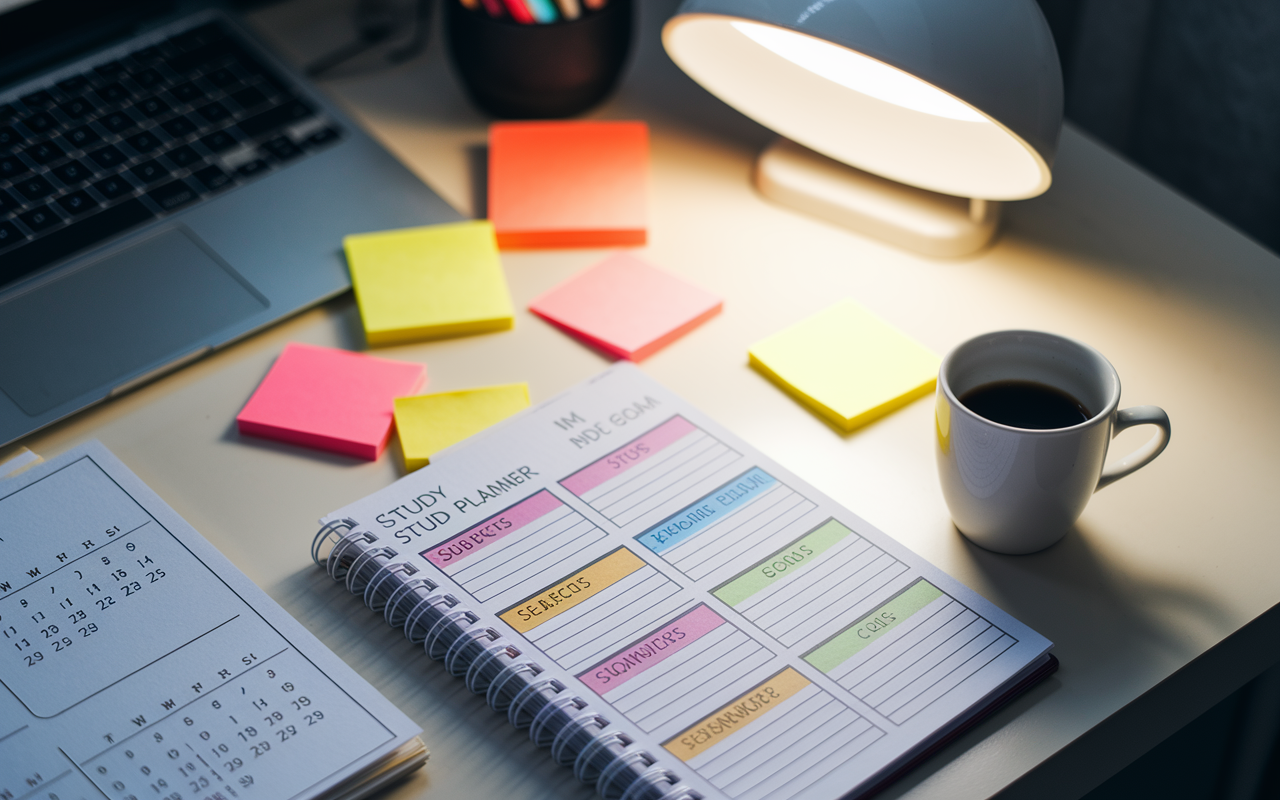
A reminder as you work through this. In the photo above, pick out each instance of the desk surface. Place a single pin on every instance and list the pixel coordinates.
(1158, 600)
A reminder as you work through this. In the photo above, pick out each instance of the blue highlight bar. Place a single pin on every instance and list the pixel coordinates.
(698, 516)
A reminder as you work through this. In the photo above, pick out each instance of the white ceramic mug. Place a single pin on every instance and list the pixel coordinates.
(1018, 490)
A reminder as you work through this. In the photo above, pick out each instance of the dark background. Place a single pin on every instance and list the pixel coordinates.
(1190, 91)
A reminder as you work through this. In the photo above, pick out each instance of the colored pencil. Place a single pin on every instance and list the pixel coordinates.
(519, 11)
(570, 8)
(543, 11)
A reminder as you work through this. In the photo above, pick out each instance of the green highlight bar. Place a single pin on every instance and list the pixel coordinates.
(849, 642)
(783, 564)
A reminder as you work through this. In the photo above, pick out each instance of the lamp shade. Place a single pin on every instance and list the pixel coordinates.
(962, 97)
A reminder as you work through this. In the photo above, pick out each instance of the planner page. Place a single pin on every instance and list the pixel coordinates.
(139, 664)
(757, 639)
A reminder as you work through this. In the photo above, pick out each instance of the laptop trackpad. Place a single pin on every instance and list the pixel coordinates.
(137, 308)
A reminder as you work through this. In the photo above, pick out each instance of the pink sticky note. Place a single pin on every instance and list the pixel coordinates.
(627, 307)
(330, 399)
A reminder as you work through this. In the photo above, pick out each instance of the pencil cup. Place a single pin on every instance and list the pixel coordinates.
(560, 69)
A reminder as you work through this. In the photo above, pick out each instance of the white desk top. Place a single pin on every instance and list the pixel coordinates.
(1158, 579)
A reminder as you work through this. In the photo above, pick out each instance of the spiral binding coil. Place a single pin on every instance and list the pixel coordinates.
(577, 736)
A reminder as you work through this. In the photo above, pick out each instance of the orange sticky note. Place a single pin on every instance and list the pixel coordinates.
(330, 400)
(568, 184)
(627, 307)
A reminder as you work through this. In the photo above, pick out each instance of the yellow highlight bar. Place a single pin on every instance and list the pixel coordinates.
(736, 715)
(577, 588)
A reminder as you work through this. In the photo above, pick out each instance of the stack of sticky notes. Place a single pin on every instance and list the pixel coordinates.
(429, 282)
(569, 184)
(330, 399)
(626, 307)
(429, 423)
(847, 364)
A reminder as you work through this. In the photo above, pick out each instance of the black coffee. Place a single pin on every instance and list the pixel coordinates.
(1025, 404)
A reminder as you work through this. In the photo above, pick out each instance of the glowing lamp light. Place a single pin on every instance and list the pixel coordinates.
(903, 119)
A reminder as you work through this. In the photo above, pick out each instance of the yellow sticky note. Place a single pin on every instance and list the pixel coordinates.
(429, 282)
(429, 423)
(847, 364)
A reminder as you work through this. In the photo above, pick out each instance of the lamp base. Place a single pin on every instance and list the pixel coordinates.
(915, 219)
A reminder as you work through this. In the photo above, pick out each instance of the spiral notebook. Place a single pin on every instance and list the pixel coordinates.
(140, 663)
(671, 613)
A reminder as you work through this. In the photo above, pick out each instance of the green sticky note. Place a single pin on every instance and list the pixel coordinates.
(429, 282)
(429, 423)
(847, 364)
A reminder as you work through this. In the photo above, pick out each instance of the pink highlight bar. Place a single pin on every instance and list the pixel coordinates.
(451, 552)
(628, 456)
(658, 646)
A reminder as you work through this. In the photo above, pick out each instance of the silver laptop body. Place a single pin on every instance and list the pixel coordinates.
(223, 233)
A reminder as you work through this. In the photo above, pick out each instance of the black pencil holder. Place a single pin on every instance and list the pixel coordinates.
(560, 69)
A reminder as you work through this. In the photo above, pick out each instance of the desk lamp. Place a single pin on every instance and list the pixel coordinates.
(908, 120)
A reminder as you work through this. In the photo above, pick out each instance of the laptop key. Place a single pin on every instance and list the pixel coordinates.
(144, 142)
(149, 171)
(9, 234)
(214, 112)
(77, 236)
(12, 167)
(9, 137)
(33, 187)
(118, 122)
(81, 137)
(44, 152)
(222, 77)
(77, 107)
(179, 127)
(108, 156)
(39, 122)
(40, 99)
(152, 106)
(277, 117)
(73, 172)
(186, 92)
(76, 203)
(218, 141)
(213, 178)
(8, 203)
(40, 218)
(182, 156)
(8, 112)
(113, 93)
(174, 194)
(113, 187)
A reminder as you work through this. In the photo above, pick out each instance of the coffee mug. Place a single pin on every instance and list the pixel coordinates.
(1023, 423)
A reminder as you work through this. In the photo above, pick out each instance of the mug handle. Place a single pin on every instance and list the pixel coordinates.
(1127, 418)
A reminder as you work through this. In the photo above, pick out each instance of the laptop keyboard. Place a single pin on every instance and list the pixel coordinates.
(140, 137)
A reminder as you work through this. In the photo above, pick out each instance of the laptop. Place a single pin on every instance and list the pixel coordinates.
(167, 186)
